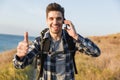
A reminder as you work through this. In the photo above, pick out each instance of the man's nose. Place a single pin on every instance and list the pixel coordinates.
(55, 21)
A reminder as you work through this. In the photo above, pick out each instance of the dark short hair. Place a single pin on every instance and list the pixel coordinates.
(54, 7)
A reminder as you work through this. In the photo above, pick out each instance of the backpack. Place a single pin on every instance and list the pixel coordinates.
(45, 46)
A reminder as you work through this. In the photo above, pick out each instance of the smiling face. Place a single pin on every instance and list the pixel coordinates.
(54, 21)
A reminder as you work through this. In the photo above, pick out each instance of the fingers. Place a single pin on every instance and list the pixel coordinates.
(26, 37)
(23, 45)
(22, 49)
(69, 23)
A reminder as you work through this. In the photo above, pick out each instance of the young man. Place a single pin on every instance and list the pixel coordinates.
(58, 60)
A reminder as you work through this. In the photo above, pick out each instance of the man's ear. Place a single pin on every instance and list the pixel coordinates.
(63, 20)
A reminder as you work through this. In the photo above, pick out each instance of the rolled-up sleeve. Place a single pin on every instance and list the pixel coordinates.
(28, 59)
(86, 46)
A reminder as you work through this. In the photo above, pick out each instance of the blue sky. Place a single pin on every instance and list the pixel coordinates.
(90, 17)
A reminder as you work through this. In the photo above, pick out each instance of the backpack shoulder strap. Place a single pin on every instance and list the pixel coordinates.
(70, 41)
(72, 48)
(45, 46)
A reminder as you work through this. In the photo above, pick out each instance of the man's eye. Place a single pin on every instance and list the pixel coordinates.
(51, 19)
(59, 18)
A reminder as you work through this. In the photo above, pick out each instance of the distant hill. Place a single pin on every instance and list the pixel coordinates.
(108, 41)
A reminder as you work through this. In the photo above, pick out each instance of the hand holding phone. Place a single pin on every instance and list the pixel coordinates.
(70, 28)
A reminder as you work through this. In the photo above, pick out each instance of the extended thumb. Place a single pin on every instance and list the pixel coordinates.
(26, 36)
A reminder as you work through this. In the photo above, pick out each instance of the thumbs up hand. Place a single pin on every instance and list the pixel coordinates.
(22, 47)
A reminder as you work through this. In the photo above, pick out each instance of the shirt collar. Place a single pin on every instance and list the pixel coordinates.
(47, 34)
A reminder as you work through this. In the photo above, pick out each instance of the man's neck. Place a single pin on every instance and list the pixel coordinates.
(56, 37)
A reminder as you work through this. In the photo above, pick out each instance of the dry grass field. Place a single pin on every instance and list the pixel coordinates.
(104, 67)
(7, 70)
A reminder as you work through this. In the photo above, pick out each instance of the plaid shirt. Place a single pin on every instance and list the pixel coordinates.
(82, 44)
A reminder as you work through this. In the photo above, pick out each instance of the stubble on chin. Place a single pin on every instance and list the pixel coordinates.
(56, 32)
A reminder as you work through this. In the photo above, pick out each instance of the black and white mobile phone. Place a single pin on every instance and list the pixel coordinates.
(65, 25)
